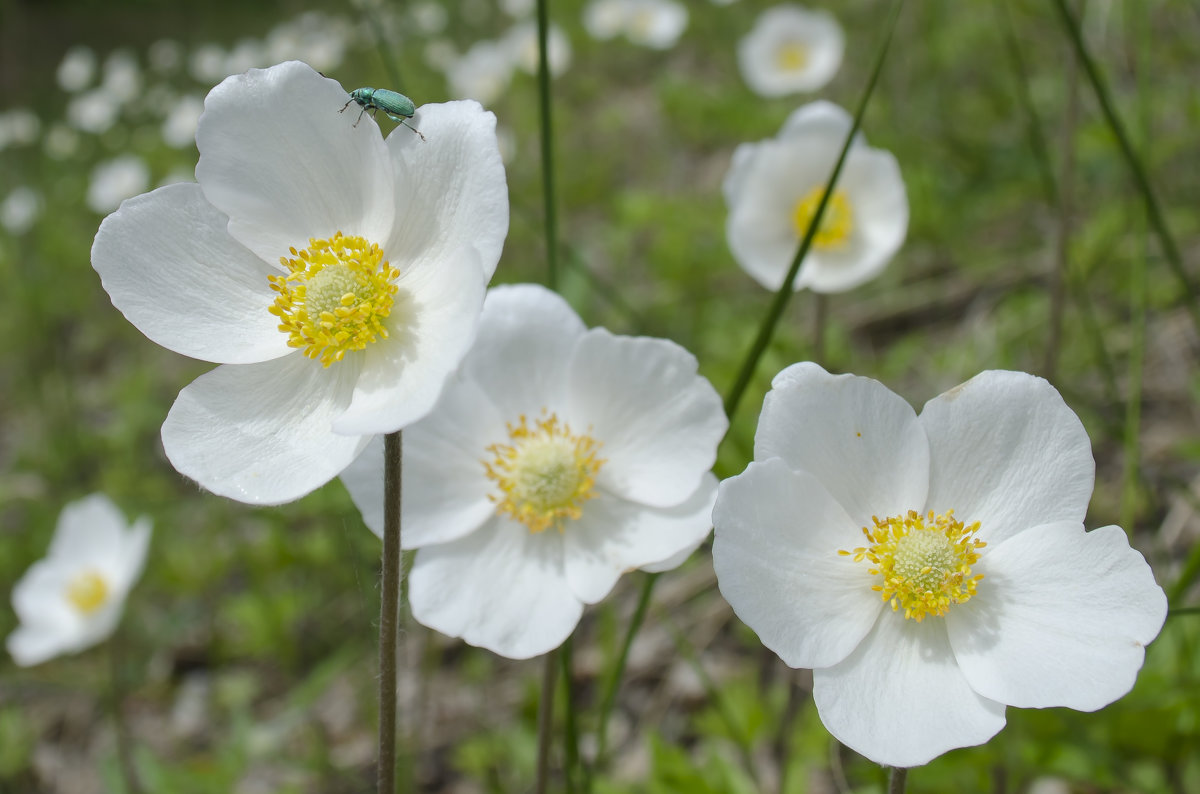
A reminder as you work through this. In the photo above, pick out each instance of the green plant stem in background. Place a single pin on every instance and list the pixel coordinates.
(572, 728)
(389, 608)
(782, 739)
(614, 681)
(1033, 122)
(734, 397)
(771, 319)
(1157, 219)
(897, 780)
(129, 773)
(546, 721)
(384, 48)
(1138, 289)
(545, 111)
(820, 325)
(1066, 182)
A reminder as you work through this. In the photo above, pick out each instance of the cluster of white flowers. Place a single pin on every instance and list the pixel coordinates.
(931, 569)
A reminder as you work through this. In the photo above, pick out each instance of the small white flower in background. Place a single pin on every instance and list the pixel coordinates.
(772, 191)
(20, 209)
(335, 276)
(320, 39)
(18, 127)
(429, 18)
(115, 180)
(178, 174)
(481, 73)
(791, 49)
(61, 142)
(522, 41)
(518, 9)
(77, 69)
(657, 24)
(93, 111)
(557, 458)
(206, 64)
(72, 599)
(246, 55)
(165, 56)
(931, 569)
(439, 54)
(179, 127)
(122, 76)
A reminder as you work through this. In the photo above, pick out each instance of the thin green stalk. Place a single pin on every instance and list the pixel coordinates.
(1187, 576)
(375, 25)
(897, 780)
(1157, 218)
(794, 697)
(1177, 612)
(546, 721)
(1033, 123)
(771, 319)
(1138, 289)
(1058, 275)
(389, 608)
(129, 774)
(614, 681)
(820, 325)
(544, 108)
(572, 732)
(734, 397)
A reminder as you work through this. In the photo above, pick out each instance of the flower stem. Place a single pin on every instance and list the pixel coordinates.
(133, 784)
(614, 681)
(1157, 219)
(1058, 276)
(389, 608)
(547, 136)
(775, 311)
(546, 721)
(788, 721)
(897, 780)
(572, 734)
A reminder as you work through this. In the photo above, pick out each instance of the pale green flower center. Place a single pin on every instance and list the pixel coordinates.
(791, 56)
(544, 473)
(336, 296)
(87, 591)
(923, 562)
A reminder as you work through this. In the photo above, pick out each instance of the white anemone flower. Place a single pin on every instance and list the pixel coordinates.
(522, 41)
(773, 188)
(93, 111)
(931, 569)
(179, 127)
(72, 599)
(791, 49)
(557, 459)
(77, 69)
(335, 276)
(20, 209)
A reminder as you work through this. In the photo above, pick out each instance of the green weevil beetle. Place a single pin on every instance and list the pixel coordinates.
(393, 103)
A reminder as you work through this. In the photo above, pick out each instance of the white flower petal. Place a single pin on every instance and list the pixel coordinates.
(429, 331)
(444, 484)
(1062, 618)
(900, 698)
(1007, 451)
(278, 158)
(861, 440)
(450, 188)
(613, 536)
(169, 266)
(775, 550)
(502, 588)
(658, 420)
(519, 358)
(261, 433)
(30, 645)
(88, 529)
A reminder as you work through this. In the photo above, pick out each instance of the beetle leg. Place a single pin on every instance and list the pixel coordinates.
(364, 110)
(348, 101)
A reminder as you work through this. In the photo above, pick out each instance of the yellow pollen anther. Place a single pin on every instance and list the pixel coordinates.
(924, 562)
(836, 223)
(335, 296)
(792, 56)
(87, 591)
(545, 473)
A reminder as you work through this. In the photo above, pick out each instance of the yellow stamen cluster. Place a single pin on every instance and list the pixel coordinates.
(545, 473)
(924, 561)
(792, 56)
(335, 297)
(87, 591)
(836, 223)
